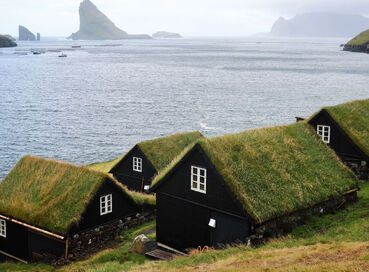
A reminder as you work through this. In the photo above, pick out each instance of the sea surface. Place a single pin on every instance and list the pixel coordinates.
(105, 97)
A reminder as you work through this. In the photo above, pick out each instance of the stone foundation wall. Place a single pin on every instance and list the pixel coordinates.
(285, 224)
(361, 169)
(89, 241)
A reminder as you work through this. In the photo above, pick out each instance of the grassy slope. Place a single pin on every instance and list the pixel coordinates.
(361, 39)
(335, 242)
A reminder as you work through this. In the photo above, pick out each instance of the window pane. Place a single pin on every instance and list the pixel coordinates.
(194, 185)
(202, 187)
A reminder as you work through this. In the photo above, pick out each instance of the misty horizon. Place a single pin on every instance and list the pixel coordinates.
(223, 18)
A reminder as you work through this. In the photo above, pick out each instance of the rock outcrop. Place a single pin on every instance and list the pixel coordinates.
(320, 25)
(166, 35)
(358, 44)
(25, 34)
(6, 42)
(38, 36)
(94, 25)
(10, 37)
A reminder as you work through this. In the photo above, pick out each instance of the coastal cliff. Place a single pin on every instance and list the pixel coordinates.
(359, 44)
(320, 25)
(95, 25)
(6, 42)
(25, 34)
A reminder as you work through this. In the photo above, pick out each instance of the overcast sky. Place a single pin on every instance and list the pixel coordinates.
(188, 17)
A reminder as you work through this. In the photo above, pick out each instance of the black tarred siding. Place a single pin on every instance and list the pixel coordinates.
(183, 215)
(340, 142)
(16, 241)
(42, 244)
(122, 207)
(124, 173)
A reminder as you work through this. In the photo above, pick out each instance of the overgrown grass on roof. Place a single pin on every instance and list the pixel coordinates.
(274, 171)
(162, 151)
(277, 170)
(353, 117)
(104, 166)
(53, 195)
(361, 39)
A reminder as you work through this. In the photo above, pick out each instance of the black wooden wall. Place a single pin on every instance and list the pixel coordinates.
(122, 207)
(340, 142)
(124, 173)
(183, 215)
(22, 243)
(16, 241)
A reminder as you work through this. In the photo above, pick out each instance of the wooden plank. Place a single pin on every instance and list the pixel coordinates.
(13, 257)
(160, 255)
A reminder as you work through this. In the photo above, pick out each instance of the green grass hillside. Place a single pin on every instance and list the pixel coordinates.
(362, 38)
(334, 242)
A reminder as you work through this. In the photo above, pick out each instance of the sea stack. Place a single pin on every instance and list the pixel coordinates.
(358, 44)
(25, 34)
(38, 36)
(94, 25)
(6, 42)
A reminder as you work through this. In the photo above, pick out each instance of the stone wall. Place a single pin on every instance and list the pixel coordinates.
(285, 224)
(86, 242)
(361, 169)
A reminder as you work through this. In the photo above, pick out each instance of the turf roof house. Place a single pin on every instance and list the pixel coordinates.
(262, 181)
(45, 203)
(138, 167)
(345, 128)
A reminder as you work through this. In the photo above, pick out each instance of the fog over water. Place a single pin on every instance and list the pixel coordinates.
(102, 99)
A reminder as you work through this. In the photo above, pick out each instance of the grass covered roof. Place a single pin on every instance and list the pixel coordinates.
(160, 151)
(353, 118)
(51, 194)
(163, 150)
(274, 171)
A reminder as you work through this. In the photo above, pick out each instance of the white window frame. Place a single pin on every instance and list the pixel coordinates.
(106, 204)
(196, 177)
(137, 164)
(2, 228)
(324, 132)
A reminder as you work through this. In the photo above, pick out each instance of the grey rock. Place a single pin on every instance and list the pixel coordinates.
(25, 34)
(95, 25)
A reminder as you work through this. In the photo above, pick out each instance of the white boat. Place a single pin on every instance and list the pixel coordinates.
(76, 46)
(62, 55)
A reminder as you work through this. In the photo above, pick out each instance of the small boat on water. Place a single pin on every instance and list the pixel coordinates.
(36, 53)
(62, 55)
(76, 46)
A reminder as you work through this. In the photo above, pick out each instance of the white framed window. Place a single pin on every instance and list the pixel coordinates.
(325, 133)
(106, 204)
(137, 164)
(198, 179)
(2, 228)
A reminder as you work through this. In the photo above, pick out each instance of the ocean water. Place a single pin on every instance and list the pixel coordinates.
(98, 102)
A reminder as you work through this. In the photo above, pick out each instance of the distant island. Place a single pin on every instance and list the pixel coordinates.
(320, 25)
(359, 44)
(5, 41)
(95, 25)
(26, 35)
(166, 35)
